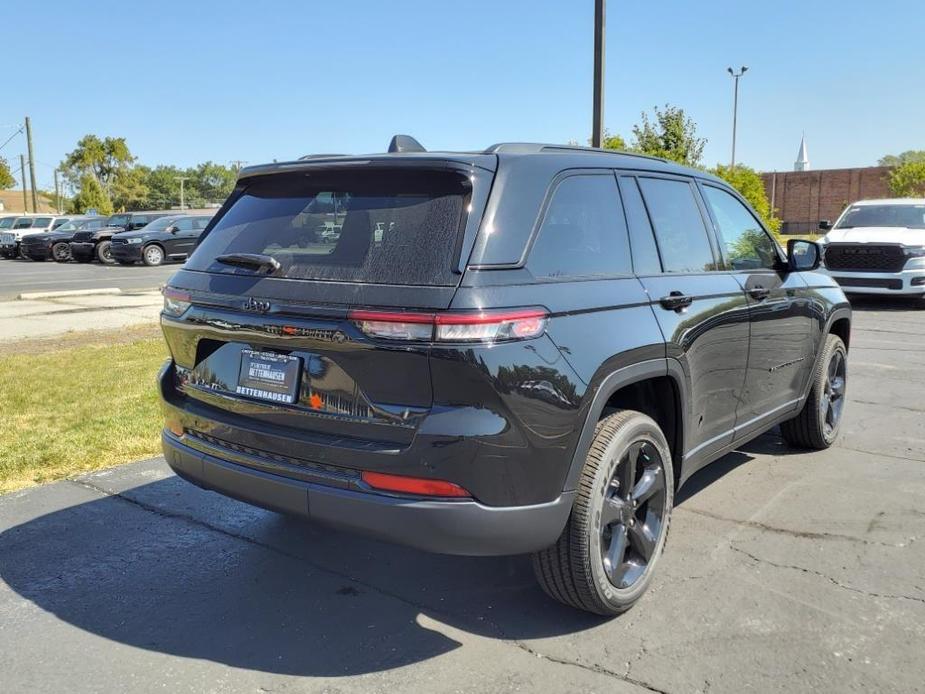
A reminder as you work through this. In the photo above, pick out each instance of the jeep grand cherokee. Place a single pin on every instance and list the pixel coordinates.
(527, 349)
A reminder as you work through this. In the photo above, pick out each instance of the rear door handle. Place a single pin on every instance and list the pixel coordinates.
(676, 301)
(759, 293)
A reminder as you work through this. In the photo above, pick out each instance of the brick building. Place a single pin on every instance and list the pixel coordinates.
(803, 198)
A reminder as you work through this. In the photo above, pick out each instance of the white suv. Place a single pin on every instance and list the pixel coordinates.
(26, 224)
(878, 247)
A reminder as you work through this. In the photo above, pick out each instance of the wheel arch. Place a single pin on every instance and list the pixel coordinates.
(840, 324)
(154, 243)
(655, 387)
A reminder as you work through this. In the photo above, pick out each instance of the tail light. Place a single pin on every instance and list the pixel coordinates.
(175, 301)
(483, 326)
(412, 485)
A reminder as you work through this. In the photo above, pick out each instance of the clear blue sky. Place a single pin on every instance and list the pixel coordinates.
(195, 80)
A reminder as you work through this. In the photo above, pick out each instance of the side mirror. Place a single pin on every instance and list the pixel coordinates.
(825, 225)
(802, 255)
(173, 229)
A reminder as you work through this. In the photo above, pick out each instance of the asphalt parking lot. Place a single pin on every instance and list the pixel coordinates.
(20, 276)
(784, 571)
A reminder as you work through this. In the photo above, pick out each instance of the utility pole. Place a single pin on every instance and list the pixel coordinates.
(597, 125)
(735, 107)
(35, 204)
(22, 175)
(181, 179)
(57, 194)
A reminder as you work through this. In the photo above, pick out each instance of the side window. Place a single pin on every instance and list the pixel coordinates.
(747, 245)
(41, 222)
(584, 231)
(24, 223)
(645, 253)
(679, 229)
(185, 224)
(59, 222)
(200, 223)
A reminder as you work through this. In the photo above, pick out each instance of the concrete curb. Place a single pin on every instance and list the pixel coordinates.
(25, 296)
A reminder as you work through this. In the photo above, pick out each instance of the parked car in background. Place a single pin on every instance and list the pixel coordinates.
(6, 221)
(55, 244)
(167, 238)
(878, 247)
(523, 350)
(95, 245)
(28, 224)
(88, 245)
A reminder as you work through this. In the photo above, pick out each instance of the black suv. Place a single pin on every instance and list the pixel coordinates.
(88, 245)
(523, 350)
(56, 244)
(167, 238)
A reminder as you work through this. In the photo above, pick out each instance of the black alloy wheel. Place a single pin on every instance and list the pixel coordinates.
(633, 514)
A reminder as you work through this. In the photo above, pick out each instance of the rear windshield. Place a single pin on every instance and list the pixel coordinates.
(382, 227)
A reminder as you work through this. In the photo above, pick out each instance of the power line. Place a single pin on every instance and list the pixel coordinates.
(21, 128)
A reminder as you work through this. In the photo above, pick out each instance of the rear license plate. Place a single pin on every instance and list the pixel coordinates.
(269, 376)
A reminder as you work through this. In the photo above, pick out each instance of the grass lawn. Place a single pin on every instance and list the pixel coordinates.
(82, 402)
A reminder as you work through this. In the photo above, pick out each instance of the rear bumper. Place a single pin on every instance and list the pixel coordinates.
(446, 527)
(903, 283)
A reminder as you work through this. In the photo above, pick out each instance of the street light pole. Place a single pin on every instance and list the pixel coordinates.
(597, 126)
(182, 179)
(735, 107)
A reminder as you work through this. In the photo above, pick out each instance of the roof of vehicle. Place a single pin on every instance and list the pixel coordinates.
(890, 201)
(571, 156)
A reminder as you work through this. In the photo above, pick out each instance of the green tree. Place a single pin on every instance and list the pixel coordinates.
(911, 155)
(212, 182)
(90, 197)
(163, 187)
(130, 190)
(670, 134)
(613, 141)
(104, 159)
(6, 176)
(908, 180)
(750, 186)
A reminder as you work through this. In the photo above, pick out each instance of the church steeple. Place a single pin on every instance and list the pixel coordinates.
(802, 162)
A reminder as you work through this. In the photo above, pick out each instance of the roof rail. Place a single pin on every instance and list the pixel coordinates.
(538, 147)
(321, 156)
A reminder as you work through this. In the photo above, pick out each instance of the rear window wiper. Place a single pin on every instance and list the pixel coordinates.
(253, 261)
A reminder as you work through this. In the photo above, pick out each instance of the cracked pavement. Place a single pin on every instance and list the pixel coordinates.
(784, 571)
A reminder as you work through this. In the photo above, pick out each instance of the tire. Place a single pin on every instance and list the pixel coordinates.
(21, 254)
(152, 255)
(61, 252)
(575, 571)
(103, 254)
(817, 425)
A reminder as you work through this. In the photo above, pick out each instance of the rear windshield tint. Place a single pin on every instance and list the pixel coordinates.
(382, 227)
